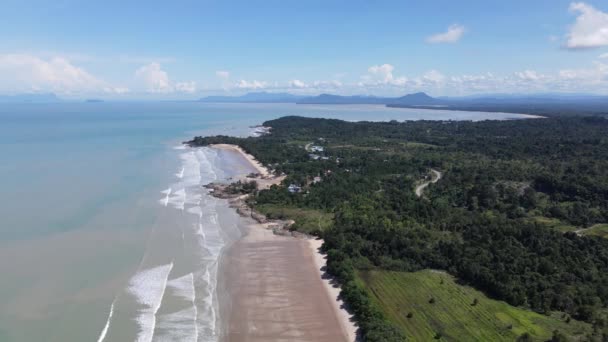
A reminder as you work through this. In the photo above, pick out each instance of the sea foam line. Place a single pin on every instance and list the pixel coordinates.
(145, 287)
(195, 308)
(167, 194)
(104, 332)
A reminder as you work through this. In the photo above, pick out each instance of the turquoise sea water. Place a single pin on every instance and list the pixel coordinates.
(82, 216)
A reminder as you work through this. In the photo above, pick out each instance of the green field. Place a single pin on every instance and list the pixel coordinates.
(555, 224)
(306, 220)
(454, 315)
(597, 230)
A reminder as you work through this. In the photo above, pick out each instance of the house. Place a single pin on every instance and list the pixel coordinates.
(294, 188)
(314, 156)
(316, 148)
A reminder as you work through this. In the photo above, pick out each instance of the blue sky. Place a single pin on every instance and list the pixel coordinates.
(188, 49)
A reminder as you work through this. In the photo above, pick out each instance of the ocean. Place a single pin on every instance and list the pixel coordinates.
(106, 233)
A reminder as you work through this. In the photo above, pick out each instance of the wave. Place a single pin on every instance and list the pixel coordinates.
(207, 325)
(104, 332)
(207, 158)
(191, 169)
(198, 166)
(165, 201)
(178, 326)
(183, 287)
(148, 287)
(178, 200)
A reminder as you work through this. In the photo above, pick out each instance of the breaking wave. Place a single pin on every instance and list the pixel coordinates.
(148, 287)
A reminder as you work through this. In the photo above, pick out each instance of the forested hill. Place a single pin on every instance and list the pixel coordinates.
(506, 217)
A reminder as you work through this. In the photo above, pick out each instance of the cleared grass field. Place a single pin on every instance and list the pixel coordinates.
(600, 230)
(306, 220)
(457, 312)
(555, 224)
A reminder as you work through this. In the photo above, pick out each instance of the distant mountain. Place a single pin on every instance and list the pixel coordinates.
(551, 104)
(261, 97)
(417, 99)
(338, 99)
(29, 98)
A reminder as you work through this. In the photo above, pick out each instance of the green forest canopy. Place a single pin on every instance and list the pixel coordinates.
(483, 222)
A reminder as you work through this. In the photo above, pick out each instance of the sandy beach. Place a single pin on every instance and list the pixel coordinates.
(276, 291)
(346, 319)
(256, 164)
(276, 287)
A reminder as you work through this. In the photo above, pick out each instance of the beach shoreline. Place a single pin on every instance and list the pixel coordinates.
(271, 270)
(346, 319)
(251, 159)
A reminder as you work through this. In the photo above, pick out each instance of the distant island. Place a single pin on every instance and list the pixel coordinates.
(538, 104)
(410, 99)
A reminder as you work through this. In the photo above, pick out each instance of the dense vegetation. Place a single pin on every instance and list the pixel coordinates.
(484, 221)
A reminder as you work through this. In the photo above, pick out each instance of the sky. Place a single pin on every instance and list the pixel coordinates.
(189, 49)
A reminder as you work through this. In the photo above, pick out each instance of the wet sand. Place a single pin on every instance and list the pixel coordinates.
(276, 291)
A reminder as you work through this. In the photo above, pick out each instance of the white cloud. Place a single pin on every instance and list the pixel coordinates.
(297, 84)
(452, 35)
(25, 73)
(604, 55)
(384, 72)
(434, 76)
(529, 75)
(186, 87)
(382, 75)
(222, 74)
(224, 77)
(315, 86)
(590, 29)
(593, 76)
(333, 84)
(156, 80)
(252, 85)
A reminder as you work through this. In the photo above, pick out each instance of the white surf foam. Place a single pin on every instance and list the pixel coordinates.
(182, 286)
(148, 287)
(192, 170)
(195, 211)
(185, 320)
(167, 193)
(177, 326)
(198, 322)
(208, 318)
(104, 332)
(178, 199)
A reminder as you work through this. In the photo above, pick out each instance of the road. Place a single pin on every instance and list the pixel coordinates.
(436, 177)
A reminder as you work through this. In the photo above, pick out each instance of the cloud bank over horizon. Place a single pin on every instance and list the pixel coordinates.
(443, 57)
